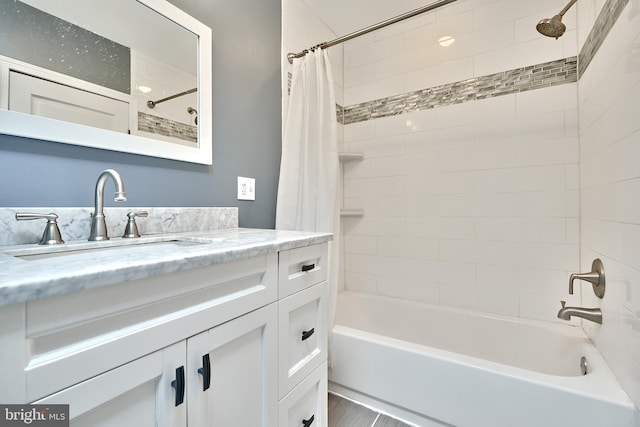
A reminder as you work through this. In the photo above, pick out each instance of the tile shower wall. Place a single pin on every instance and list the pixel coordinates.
(609, 104)
(474, 204)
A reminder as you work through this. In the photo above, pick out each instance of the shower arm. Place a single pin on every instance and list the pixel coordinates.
(567, 7)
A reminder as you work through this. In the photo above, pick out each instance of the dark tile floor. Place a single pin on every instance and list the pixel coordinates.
(345, 413)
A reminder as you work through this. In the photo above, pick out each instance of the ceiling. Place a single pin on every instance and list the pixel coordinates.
(344, 17)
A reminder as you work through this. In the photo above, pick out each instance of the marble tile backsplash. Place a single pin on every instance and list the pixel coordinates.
(75, 223)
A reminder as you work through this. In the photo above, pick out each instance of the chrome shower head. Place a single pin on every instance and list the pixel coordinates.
(554, 27)
(551, 27)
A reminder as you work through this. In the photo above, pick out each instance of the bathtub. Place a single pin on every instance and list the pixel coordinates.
(435, 366)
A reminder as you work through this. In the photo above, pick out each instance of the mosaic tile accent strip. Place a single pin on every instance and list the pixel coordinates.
(517, 80)
(165, 127)
(606, 20)
(340, 113)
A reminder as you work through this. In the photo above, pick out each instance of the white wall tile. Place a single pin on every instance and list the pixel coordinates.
(476, 204)
(549, 256)
(364, 245)
(548, 100)
(548, 152)
(375, 51)
(359, 131)
(438, 139)
(447, 72)
(378, 147)
(374, 90)
(410, 289)
(497, 204)
(408, 247)
(359, 282)
(499, 229)
(543, 230)
(452, 228)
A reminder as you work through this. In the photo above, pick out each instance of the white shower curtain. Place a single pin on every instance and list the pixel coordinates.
(308, 191)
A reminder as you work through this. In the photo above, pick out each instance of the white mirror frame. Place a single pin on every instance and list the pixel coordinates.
(49, 130)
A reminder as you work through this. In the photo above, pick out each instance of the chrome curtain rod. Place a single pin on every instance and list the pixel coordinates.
(152, 104)
(434, 5)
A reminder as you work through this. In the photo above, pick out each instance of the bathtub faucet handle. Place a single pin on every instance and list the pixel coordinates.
(595, 277)
(563, 303)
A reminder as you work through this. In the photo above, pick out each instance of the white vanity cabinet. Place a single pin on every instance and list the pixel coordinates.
(237, 343)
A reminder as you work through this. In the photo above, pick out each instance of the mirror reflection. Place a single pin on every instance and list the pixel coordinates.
(116, 65)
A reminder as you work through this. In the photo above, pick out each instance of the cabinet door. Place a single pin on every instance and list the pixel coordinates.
(232, 372)
(139, 394)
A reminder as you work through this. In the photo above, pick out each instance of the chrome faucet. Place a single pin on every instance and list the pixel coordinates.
(98, 224)
(592, 314)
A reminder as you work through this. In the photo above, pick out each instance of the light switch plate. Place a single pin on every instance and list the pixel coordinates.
(246, 188)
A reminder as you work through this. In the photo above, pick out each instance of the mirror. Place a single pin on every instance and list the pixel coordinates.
(124, 75)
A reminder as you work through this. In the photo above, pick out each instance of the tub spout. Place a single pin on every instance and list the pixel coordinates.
(591, 314)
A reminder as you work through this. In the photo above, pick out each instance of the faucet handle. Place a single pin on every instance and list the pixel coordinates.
(131, 230)
(596, 277)
(51, 234)
(562, 303)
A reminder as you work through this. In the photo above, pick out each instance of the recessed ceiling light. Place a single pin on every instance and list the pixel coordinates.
(445, 41)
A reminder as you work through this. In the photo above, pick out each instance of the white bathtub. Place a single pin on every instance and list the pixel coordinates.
(436, 366)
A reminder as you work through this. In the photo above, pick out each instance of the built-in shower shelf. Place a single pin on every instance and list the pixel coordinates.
(351, 157)
(351, 212)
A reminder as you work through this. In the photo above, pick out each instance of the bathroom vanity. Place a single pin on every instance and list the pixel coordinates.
(219, 328)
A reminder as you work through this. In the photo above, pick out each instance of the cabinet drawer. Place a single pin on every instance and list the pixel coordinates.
(302, 335)
(80, 335)
(302, 267)
(306, 405)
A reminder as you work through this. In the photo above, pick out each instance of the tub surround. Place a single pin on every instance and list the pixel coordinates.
(28, 280)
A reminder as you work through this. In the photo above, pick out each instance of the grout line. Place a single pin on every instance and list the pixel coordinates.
(376, 420)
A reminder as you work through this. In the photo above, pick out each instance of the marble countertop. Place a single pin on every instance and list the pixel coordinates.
(75, 266)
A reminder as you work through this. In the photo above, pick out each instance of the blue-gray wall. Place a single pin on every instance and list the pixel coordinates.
(246, 133)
